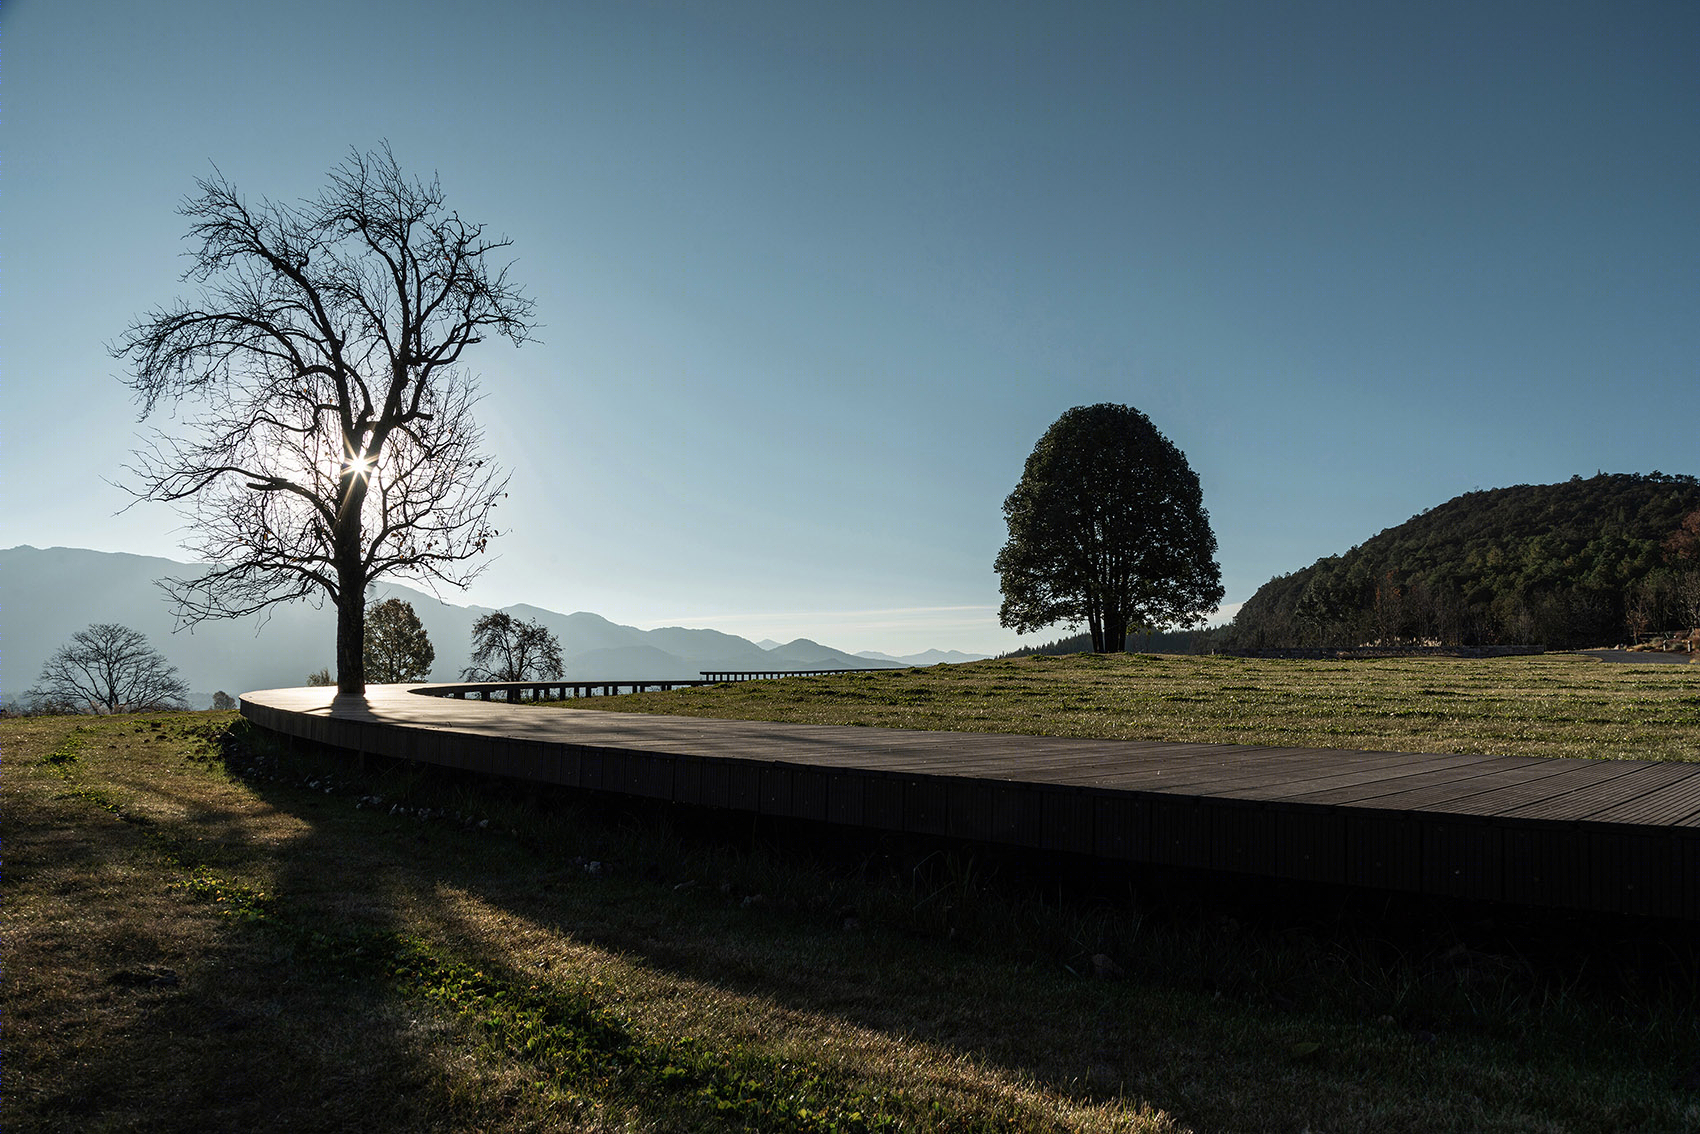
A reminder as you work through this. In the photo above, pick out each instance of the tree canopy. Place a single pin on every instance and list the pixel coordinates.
(1107, 529)
(107, 668)
(323, 428)
(397, 647)
(506, 649)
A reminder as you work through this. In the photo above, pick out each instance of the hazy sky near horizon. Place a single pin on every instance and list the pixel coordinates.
(813, 278)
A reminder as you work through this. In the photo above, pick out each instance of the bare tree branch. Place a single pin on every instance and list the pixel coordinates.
(329, 440)
(107, 668)
(507, 649)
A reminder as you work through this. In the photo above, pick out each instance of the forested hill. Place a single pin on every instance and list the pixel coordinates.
(1567, 565)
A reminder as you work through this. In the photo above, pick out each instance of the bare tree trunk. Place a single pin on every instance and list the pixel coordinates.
(1115, 633)
(350, 643)
(351, 592)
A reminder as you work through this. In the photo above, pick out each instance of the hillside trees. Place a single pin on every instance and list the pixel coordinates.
(1107, 529)
(507, 649)
(107, 668)
(1682, 552)
(1683, 545)
(1566, 565)
(326, 431)
(396, 645)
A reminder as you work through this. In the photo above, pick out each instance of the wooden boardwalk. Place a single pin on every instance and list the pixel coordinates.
(1614, 836)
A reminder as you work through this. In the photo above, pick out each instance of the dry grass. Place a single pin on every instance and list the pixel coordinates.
(1561, 705)
(184, 952)
(196, 944)
(130, 1005)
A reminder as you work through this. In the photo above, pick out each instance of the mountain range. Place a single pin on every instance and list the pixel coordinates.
(48, 594)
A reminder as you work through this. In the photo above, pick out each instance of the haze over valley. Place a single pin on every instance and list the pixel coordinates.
(51, 593)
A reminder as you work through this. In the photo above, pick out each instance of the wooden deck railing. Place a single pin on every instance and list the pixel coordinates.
(516, 691)
(717, 675)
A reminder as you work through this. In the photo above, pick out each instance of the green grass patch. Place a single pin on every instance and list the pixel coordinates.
(1560, 705)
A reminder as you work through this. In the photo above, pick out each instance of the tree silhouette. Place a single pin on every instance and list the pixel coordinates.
(327, 435)
(506, 649)
(1107, 528)
(107, 668)
(397, 647)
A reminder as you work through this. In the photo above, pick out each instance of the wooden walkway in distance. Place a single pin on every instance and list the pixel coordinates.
(1614, 836)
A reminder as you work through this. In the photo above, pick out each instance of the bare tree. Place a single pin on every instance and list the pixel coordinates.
(506, 649)
(327, 438)
(1644, 606)
(107, 668)
(1685, 597)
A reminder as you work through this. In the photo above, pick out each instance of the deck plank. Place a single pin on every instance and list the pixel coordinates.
(1580, 834)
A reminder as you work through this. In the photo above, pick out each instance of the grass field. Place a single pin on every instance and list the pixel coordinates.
(1562, 705)
(203, 933)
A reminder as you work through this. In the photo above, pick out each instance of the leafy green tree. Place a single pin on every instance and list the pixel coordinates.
(397, 647)
(322, 677)
(223, 702)
(506, 649)
(1107, 529)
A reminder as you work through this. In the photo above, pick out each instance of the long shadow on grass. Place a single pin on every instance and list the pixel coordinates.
(559, 881)
(542, 890)
(129, 1009)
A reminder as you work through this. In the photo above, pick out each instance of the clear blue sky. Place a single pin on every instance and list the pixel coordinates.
(815, 277)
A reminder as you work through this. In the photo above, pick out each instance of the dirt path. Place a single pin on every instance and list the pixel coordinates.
(1638, 657)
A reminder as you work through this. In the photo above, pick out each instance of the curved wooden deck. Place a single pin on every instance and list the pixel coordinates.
(1617, 836)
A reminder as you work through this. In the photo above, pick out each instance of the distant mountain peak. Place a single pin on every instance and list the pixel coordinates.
(52, 593)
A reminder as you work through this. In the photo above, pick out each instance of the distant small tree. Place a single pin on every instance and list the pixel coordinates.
(1317, 613)
(1107, 528)
(506, 649)
(1638, 611)
(1685, 596)
(223, 702)
(1389, 609)
(323, 677)
(108, 668)
(397, 647)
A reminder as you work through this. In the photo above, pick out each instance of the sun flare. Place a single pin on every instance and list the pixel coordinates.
(360, 466)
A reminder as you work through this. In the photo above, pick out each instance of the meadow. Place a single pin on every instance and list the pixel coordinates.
(204, 931)
(1555, 705)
